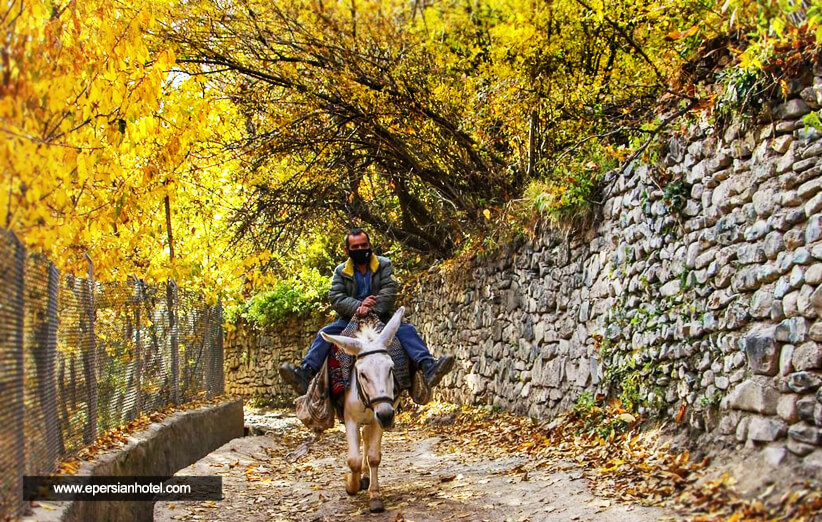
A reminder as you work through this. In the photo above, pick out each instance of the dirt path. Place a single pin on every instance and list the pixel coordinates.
(423, 478)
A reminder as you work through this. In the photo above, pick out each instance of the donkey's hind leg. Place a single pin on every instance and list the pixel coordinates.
(372, 435)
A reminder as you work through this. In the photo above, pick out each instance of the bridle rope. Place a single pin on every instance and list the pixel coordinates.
(369, 402)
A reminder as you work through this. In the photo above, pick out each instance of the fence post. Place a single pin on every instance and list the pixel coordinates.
(209, 342)
(90, 360)
(45, 355)
(138, 349)
(171, 299)
(218, 346)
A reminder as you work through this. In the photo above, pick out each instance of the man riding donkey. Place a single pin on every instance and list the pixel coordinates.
(362, 285)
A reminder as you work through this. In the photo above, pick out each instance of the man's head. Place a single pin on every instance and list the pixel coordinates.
(357, 239)
(358, 246)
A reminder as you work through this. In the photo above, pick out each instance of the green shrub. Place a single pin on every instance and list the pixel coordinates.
(298, 297)
(569, 187)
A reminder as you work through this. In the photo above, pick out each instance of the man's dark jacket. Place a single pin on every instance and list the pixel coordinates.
(383, 286)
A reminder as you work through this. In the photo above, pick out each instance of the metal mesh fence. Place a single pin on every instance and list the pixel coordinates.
(11, 376)
(78, 357)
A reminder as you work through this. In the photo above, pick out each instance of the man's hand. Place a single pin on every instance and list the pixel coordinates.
(366, 305)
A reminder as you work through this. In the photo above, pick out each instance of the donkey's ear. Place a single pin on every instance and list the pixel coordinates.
(350, 345)
(387, 334)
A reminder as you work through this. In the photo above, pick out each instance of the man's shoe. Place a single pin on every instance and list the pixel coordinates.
(297, 378)
(434, 371)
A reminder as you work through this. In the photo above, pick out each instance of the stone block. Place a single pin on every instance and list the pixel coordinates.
(797, 276)
(755, 397)
(728, 422)
(671, 288)
(812, 95)
(813, 231)
(761, 303)
(805, 408)
(807, 356)
(781, 144)
(785, 164)
(813, 274)
(791, 109)
(774, 456)
(799, 448)
(805, 164)
(785, 358)
(815, 331)
(804, 382)
(554, 372)
(793, 330)
(749, 254)
(806, 433)
(790, 304)
(814, 205)
(761, 350)
(742, 429)
(812, 463)
(786, 408)
(809, 188)
(803, 302)
(757, 231)
(773, 244)
(766, 429)
(802, 256)
(812, 150)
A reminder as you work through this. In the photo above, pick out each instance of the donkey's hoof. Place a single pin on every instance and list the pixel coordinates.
(365, 482)
(351, 489)
(376, 506)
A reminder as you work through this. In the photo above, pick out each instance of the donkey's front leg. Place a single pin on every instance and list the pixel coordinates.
(372, 434)
(352, 480)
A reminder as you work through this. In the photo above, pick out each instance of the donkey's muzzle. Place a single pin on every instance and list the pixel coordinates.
(385, 417)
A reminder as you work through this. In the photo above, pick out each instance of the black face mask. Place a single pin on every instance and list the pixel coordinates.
(360, 257)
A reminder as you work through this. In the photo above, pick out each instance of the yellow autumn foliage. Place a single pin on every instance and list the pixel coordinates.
(99, 126)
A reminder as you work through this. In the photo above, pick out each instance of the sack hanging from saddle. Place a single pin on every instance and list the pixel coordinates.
(315, 409)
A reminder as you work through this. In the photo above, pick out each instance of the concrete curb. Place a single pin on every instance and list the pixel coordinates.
(161, 450)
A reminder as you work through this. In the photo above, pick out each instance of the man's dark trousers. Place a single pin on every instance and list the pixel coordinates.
(408, 336)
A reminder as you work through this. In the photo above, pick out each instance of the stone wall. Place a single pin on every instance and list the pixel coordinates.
(700, 297)
(697, 298)
(253, 356)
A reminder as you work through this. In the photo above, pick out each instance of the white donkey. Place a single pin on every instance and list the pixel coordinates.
(369, 402)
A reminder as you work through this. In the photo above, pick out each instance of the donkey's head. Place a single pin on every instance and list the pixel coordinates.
(373, 367)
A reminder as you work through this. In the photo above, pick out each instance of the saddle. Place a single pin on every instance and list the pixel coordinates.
(326, 391)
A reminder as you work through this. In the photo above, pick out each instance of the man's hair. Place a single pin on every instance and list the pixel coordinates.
(356, 232)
